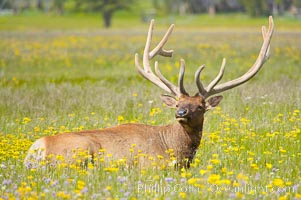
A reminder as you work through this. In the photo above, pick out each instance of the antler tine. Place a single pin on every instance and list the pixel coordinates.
(264, 35)
(146, 56)
(147, 72)
(218, 77)
(150, 76)
(179, 90)
(261, 59)
(174, 90)
(198, 81)
(181, 77)
(159, 48)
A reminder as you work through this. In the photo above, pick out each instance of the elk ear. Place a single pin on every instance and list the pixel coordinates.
(170, 101)
(213, 102)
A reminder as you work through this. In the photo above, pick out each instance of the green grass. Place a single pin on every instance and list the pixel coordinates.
(62, 74)
(35, 21)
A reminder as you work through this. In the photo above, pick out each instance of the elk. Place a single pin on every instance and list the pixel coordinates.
(183, 136)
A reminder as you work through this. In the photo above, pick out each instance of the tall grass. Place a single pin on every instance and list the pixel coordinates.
(61, 81)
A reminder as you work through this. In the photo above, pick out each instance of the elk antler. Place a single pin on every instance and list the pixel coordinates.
(263, 56)
(147, 72)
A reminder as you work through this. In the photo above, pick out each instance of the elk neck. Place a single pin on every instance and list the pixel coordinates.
(181, 137)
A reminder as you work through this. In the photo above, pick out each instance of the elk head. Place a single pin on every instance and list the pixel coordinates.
(190, 109)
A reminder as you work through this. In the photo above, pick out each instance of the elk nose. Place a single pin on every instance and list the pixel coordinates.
(182, 112)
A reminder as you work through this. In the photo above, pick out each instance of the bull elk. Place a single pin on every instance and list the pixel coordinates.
(183, 136)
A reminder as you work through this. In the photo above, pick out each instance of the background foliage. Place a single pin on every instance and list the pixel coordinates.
(150, 8)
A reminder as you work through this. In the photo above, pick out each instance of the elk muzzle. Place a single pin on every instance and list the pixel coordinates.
(182, 115)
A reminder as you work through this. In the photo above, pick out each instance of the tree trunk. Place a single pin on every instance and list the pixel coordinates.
(211, 10)
(40, 5)
(107, 16)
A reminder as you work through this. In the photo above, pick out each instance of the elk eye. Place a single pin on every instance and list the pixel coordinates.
(200, 107)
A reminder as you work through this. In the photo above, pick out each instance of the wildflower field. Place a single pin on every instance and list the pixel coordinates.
(69, 79)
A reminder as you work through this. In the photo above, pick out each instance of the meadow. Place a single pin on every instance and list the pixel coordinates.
(58, 77)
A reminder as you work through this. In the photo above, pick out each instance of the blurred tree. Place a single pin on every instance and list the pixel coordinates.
(280, 6)
(149, 8)
(181, 7)
(106, 7)
(58, 6)
(156, 4)
(228, 6)
(295, 8)
(5, 4)
(40, 4)
(277, 6)
(213, 6)
(255, 8)
(297, 3)
(26, 4)
(17, 6)
(199, 6)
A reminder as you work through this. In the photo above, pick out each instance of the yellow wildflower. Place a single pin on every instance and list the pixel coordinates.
(268, 165)
(182, 195)
(202, 171)
(120, 118)
(278, 182)
(213, 178)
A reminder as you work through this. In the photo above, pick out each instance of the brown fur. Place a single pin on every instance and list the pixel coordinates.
(183, 137)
